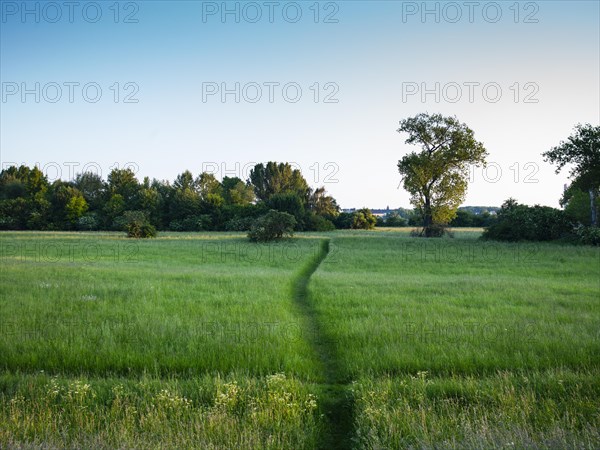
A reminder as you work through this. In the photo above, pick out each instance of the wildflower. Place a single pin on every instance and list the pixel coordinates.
(311, 403)
(172, 401)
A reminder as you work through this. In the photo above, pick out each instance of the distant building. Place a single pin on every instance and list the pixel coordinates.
(404, 212)
(381, 212)
(375, 212)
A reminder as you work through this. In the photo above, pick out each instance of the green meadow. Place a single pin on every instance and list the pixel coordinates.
(347, 339)
(458, 343)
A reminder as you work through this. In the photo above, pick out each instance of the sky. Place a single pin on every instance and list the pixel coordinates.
(162, 87)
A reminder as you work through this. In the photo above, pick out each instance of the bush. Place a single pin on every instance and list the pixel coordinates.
(528, 223)
(137, 225)
(271, 226)
(140, 231)
(414, 219)
(463, 219)
(363, 219)
(13, 214)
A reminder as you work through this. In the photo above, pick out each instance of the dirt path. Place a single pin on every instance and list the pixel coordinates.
(335, 398)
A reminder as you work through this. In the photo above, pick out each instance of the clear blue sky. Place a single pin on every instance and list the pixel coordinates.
(371, 54)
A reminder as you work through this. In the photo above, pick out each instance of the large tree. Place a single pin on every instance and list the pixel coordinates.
(436, 177)
(582, 151)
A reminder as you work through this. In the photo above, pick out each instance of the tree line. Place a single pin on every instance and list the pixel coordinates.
(28, 201)
(436, 178)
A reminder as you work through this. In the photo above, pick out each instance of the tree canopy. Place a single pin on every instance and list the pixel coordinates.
(190, 203)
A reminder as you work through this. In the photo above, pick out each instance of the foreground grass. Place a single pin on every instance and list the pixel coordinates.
(272, 412)
(553, 409)
(189, 341)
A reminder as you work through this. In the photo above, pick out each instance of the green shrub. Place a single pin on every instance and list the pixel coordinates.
(119, 223)
(271, 226)
(528, 223)
(137, 225)
(470, 218)
(363, 219)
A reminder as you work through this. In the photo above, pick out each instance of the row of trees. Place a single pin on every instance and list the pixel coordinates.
(29, 202)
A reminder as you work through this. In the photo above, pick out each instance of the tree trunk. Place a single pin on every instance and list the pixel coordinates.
(593, 207)
(427, 217)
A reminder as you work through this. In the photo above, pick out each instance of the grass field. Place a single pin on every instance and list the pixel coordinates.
(461, 343)
(334, 340)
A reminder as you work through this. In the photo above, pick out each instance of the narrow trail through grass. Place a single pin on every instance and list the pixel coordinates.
(336, 402)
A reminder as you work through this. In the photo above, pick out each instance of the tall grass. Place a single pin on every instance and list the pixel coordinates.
(534, 410)
(196, 340)
(463, 344)
(401, 305)
(189, 305)
(206, 412)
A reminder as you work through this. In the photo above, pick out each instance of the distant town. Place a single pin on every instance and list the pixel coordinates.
(407, 212)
